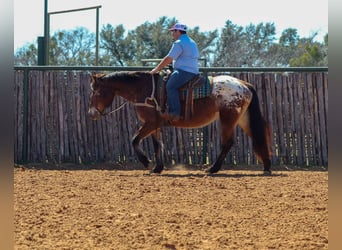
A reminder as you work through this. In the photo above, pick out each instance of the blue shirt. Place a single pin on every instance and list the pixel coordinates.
(184, 53)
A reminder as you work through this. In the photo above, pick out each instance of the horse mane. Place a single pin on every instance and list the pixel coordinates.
(126, 76)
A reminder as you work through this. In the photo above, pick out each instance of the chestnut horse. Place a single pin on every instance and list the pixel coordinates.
(232, 101)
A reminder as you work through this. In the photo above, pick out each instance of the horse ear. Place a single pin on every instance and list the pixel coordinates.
(97, 75)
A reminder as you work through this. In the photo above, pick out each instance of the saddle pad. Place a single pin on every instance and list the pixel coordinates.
(200, 92)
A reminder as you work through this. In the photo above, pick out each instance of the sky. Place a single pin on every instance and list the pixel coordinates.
(307, 16)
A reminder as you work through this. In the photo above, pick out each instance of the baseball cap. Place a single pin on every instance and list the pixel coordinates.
(178, 26)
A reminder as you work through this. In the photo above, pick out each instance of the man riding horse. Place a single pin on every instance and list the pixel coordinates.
(184, 56)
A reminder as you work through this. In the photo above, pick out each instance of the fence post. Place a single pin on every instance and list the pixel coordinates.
(25, 115)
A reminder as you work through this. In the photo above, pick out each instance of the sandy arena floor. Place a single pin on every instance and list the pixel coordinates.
(179, 209)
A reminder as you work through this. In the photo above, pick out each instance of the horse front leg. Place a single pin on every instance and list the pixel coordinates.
(146, 130)
(137, 138)
(157, 146)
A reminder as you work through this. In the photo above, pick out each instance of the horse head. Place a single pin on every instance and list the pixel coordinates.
(101, 95)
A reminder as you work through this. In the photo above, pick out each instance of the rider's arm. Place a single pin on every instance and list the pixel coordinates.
(166, 61)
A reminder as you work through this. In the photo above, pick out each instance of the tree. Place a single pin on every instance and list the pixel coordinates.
(325, 50)
(229, 46)
(289, 38)
(148, 41)
(153, 40)
(253, 45)
(248, 45)
(27, 55)
(116, 49)
(310, 53)
(311, 56)
(258, 39)
(279, 54)
(72, 47)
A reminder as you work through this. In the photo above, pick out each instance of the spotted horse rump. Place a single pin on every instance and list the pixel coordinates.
(231, 93)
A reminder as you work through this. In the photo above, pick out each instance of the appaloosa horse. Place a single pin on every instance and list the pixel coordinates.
(232, 101)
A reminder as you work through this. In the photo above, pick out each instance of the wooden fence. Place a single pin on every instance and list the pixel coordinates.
(51, 123)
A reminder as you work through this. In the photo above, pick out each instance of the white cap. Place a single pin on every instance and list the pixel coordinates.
(178, 26)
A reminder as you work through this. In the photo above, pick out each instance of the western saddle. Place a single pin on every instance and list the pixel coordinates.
(187, 92)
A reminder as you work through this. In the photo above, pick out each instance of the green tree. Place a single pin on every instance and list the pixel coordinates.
(310, 53)
(26, 55)
(148, 41)
(253, 45)
(311, 56)
(279, 54)
(248, 45)
(325, 50)
(229, 47)
(72, 47)
(116, 49)
(153, 40)
(258, 40)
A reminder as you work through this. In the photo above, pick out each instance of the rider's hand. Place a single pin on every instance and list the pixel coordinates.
(154, 71)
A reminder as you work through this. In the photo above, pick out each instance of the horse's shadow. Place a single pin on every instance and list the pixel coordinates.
(217, 175)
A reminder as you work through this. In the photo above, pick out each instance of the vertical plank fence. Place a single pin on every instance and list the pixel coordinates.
(51, 123)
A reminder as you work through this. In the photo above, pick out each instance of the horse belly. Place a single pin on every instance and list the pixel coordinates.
(205, 113)
(199, 120)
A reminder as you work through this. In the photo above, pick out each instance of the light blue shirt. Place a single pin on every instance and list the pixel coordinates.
(184, 53)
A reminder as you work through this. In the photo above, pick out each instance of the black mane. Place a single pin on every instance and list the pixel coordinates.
(127, 76)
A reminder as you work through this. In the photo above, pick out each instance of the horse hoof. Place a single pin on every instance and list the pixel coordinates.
(156, 170)
(267, 172)
(210, 171)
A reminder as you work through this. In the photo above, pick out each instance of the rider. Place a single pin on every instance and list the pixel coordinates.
(184, 56)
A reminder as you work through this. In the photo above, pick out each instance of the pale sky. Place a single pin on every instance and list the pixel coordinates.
(307, 16)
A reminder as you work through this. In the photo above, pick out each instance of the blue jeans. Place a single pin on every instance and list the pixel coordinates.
(177, 79)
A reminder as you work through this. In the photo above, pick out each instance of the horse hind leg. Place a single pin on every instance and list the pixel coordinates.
(227, 134)
(226, 146)
(259, 132)
(261, 145)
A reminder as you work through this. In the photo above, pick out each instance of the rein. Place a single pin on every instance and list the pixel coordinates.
(114, 110)
(151, 98)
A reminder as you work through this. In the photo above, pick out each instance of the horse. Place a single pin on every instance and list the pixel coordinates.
(233, 101)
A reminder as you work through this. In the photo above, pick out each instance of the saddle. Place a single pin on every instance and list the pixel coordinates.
(198, 87)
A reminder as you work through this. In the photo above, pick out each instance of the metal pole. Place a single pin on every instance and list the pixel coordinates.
(48, 41)
(97, 37)
(46, 33)
(47, 29)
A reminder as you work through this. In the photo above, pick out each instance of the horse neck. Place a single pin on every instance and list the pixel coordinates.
(135, 91)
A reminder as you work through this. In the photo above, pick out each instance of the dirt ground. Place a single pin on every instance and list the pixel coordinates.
(180, 209)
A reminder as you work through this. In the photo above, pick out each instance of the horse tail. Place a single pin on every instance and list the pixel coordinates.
(259, 128)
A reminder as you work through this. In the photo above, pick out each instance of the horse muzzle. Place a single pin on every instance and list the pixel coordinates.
(94, 114)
